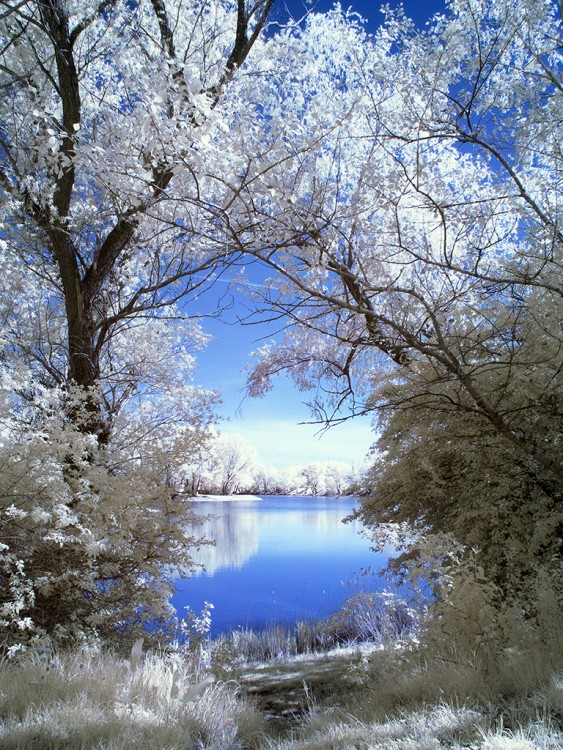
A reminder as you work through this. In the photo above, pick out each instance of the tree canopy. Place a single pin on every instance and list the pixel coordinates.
(416, 254)
(110, 167)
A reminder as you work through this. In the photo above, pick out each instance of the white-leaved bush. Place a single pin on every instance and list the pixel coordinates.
(92, 536)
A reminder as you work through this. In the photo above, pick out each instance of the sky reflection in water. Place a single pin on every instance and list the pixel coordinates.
(278, 560)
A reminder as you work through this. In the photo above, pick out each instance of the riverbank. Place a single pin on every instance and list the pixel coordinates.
(249, 497)
(370, 698)
(225, 498)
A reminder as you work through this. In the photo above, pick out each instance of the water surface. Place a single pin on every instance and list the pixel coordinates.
(279, 559)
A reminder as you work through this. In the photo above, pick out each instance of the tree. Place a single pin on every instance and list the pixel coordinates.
(109, 108)
(112, 115)
(230, 460)
(445, 473)
(92, 550)
(338, 478)
(312, 474)
(416, 256)
(265, 481)
(403, 189)
(319, 478)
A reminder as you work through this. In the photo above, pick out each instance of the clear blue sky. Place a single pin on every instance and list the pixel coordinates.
(272, 424)
(419, 10)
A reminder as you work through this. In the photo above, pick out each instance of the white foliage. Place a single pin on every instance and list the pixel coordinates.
(88, 540)
(404, 189)
(112, 167)
(416, 250)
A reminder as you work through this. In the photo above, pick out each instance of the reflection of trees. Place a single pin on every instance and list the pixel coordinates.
(321, 521)
(235, 534)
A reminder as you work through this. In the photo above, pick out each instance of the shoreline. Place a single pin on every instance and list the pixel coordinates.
(224, 498)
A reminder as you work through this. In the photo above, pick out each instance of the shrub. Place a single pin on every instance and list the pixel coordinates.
(374, 618)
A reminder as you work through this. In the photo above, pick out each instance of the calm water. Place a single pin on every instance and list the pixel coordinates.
(277, 560)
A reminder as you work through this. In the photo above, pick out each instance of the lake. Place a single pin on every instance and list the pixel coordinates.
(277, 560)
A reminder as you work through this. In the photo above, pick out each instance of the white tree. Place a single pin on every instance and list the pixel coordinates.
(404, 190)
(318, 478)
(231, 462)
(338, 477)
(266, 480)
(415, 242)
(111, 126)
(313, 477)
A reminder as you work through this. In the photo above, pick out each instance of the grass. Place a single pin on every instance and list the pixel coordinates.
(396, 695)
(363, 618)
(92, 699)
(415, 700)
(434, 728)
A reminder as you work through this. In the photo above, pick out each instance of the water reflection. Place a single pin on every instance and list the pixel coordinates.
(277, 560)
(237, 527)
(235, 535)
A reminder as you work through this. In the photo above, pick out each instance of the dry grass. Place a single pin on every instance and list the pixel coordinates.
(415, 700)
(91, 700)
(362, 619)
(437, 728)
(402, 699)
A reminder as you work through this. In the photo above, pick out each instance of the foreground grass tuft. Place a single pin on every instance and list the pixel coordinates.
(94, 700)
(431, 729)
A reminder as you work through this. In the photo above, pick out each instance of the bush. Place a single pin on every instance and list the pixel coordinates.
(374, 618)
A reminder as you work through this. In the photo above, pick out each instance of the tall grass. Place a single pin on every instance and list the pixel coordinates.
(404, 695)
(362, 619)
(414, 698)
(440, 727)
(93, 699)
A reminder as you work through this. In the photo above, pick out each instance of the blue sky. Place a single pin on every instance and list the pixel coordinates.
(419, 10)
(275, 424)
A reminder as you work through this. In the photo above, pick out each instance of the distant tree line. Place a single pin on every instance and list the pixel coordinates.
(230, 465)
